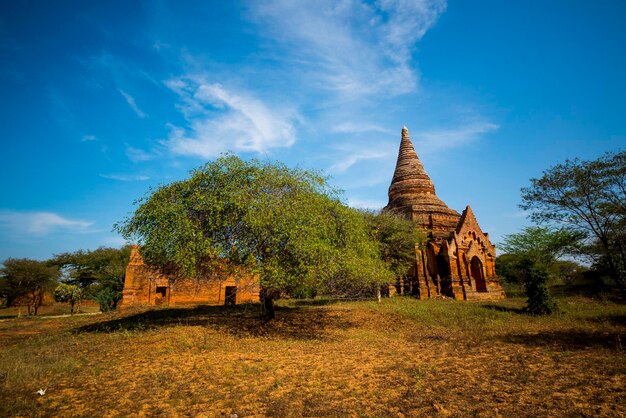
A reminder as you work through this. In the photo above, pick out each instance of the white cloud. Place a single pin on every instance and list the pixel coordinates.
(115, 241)
(222, 119)
(352, 127)
(133, 105)
(442, 139)
(366, 203)
(41, 223)
(88, 138)
(125, 177)
(351, 158)
(352, 47)
(138, 155)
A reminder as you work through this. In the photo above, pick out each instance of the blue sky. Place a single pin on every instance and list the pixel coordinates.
(101, 100)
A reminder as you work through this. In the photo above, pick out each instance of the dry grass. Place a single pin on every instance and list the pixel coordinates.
(401, 358)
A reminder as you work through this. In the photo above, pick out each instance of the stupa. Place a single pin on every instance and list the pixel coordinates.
(458, 259)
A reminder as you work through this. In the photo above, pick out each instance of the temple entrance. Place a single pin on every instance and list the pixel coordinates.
(230, 295)
(476, 270)
(445, 277)
(160, 295)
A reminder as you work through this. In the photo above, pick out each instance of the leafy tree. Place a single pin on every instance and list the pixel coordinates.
(533, 275)
(97, 270)
(535, 279)
(396, 237)
(529, 257)
(285, 224)
(544, 245)
(69, 293)
(107, 298)
(588, 197)
(24, 282)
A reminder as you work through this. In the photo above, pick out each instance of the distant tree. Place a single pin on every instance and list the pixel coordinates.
(544, 245)
(588, 197)
(98, 271)
(567, 271)
(69, 293)
(24, 282)
(107, 298)
(285, 224)
(529, 256)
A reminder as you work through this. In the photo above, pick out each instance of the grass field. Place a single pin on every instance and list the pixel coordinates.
(402, 357)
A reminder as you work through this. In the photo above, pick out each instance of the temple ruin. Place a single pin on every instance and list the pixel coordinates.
(145, 286)
(457, 260)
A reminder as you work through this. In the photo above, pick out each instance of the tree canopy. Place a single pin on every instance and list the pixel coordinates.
(24, 282)
(542, 244)
(288, 225)
(99, 273)
(588, 197)
(396, 237)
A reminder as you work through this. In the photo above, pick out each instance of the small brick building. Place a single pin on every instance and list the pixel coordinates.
(144, 286)
(458, 260)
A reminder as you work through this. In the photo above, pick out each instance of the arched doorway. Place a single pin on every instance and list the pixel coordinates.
(476, 270)
(445, 278)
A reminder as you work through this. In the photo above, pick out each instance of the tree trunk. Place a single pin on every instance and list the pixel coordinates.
(269, 312)
(72, 308)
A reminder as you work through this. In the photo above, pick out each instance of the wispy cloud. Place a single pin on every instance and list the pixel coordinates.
(442, 139)
(133, 105)
(349, 158)
(88, 138)
(222, 119)
(366, 203)
(41, 223)
(125, 177)
(138, 155)
(115, 241)
(354, 48)
(354, 127)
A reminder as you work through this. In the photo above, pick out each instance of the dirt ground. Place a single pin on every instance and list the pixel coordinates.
(402, 357)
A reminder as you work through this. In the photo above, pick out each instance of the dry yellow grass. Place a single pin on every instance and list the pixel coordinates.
(401, 358)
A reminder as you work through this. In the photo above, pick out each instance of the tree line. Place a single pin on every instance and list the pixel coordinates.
(68, 277)
(579, 208)
(293, 230)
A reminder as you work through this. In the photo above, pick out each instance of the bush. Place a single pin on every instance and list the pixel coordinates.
(108, 299)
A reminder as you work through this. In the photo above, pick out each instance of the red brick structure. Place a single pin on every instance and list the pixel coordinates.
(458, 260)
(143, 286)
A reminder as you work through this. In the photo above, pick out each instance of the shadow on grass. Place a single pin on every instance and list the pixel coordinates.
(508, 309)
(326, 301)
(611, 319)
(240, 321)
(569, 340)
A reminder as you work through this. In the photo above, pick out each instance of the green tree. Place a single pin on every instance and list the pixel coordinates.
(285, 224)
(397, 238)
(544, 245)
(529, 256)
(588, 197)
(24, 282)
(69, 293)
(100, 271)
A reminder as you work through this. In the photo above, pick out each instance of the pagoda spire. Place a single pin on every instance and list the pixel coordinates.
(410, 173)
(412, 192)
